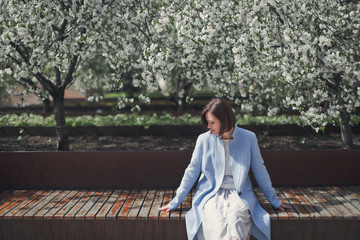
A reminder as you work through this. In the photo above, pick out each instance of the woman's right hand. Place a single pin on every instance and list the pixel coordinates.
(165, 208)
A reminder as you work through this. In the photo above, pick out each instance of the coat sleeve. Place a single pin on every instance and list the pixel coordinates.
(191, 174)
(261, 174)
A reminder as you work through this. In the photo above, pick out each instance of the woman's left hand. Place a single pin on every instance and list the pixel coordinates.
(283, 207)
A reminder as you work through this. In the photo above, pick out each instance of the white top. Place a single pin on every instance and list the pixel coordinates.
(228, 181)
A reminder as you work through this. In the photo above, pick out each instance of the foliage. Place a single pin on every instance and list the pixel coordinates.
(134, 119)
(268, 55)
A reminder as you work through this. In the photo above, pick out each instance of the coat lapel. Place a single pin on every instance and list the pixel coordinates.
(239, 157)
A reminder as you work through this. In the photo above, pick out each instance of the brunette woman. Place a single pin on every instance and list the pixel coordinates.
(224, 206)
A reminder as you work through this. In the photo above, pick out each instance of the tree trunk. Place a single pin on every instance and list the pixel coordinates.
(180, 104)
(46, 105)
(61, 131)
(346, 132)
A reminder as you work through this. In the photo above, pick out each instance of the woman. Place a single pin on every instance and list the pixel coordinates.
(224, 206)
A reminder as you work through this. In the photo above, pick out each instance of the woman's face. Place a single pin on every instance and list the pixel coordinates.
(214, 123)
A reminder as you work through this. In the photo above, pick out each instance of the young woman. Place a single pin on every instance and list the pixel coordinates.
(224, 206)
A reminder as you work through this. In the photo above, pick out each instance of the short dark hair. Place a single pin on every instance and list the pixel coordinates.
(222, 111)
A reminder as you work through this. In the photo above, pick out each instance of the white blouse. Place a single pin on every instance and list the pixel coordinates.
(228, 181)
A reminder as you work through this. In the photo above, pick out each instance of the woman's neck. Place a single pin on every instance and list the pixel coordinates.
(228, 135)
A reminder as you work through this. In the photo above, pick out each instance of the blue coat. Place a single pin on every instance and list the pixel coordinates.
(208, 159)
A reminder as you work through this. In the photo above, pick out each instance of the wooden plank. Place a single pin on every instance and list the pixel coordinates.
(167, 198)
(23, 204)
(300, 209)
(98, 205)
(324, 213)
(53, 206)
(347, 194)
(185, 206)
(41, 205)
(314, 214)
(124, 211)
(293, 215)
(78, 205)
(136, 206)
(115, 209)
(147, 204)
(108, 204)
(268, 207)
(68, 202)
(331, 197)
(354, 192)
(356, 189)
(3, 194)
(88, 204)
(335, 213)
(154, 211)
(11, 198)
(20, 214)
(175, 215)
(350, 205)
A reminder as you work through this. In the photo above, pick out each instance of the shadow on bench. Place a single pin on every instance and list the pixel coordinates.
(58, 196)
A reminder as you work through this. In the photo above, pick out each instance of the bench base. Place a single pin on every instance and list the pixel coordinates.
(157, 229)
(317, 213)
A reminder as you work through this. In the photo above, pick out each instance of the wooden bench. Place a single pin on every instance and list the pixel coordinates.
(33, 204)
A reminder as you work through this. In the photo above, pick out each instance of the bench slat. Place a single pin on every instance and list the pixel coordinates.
(154, 211)
(186, 205)
(331, 197)
(147, 204)
(49, 209)
(3, 194)
(95, 208)
(324, 213)
(302, 212)
(346, 193)
(83, 210)
(355, 213)
(114, 210)
(105, 208)
(31, 206)
(167, 198)
(22, 202)
(355, 192)
(335, 213)
(124, 211)
(42, 203)
(356, 188)
(59, 205)
(267, 206)
(306, 204)
(293, 215)
(175, 215)
(78, 205)
(135, 208)
(10, 198)
(68, 203)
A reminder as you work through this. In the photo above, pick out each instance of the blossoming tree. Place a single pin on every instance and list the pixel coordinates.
(43, 44)
(302, 55)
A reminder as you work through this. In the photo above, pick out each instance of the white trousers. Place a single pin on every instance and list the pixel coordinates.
(225, 217)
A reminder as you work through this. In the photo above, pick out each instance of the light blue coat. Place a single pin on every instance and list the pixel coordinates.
(208, 159)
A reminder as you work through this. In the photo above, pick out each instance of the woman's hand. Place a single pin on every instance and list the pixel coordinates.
(165, 208)
(283, 207)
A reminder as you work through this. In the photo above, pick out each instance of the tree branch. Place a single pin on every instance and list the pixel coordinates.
(48, 85)
(279, 17)
(14, 59)
(69, 75)
(57, 76)
(150, 40)
(23, 54)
